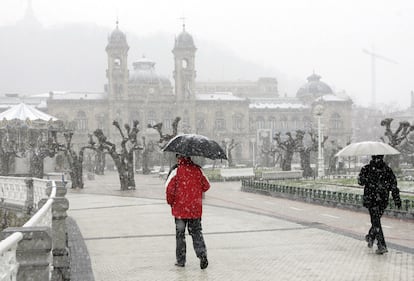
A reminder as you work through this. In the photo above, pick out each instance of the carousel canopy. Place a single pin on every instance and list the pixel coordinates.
(25, 112)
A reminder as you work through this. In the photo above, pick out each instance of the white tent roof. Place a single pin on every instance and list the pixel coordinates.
(23, 112)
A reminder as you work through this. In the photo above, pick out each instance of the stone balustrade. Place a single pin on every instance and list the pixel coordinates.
(37, 250)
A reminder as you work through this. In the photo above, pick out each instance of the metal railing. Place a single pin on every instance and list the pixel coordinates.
(324, 197)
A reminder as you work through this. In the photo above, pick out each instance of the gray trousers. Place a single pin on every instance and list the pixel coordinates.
(195, 230)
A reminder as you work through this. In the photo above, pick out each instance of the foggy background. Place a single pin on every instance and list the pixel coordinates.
(63, 47)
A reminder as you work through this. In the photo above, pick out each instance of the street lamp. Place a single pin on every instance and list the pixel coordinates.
(318, 110)
(253, 141)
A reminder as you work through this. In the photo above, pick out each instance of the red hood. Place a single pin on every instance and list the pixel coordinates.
(184, 161)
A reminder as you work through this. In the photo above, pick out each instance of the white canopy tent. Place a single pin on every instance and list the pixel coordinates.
(25, 112)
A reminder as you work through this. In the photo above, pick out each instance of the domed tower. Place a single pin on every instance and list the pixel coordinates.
(184, 66)
(143, 79)
(314, 89)
(117, 72)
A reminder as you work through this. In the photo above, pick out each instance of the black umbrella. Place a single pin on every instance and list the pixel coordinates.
(195, 145)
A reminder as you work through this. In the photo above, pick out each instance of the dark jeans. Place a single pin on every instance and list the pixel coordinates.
(194, 229)
(375, 232)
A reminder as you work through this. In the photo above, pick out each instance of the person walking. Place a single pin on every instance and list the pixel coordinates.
(378, 180)
(185, 186)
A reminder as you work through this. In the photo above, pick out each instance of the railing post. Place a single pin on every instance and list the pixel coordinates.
(61, 258)
(28, 205)
(33, 252)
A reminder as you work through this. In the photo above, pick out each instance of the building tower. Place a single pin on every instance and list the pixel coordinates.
(117, 72)
(184, 66)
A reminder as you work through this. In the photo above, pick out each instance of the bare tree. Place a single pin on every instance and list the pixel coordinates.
(396, 139)
(124, 159)
(228, 147)
(8, 152)
(288, 147)
(164, 138)
(305, 151)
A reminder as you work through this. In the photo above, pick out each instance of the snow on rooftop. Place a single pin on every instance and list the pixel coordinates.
(332, 98)
(68, 95)
(272, 105)
(228, 96)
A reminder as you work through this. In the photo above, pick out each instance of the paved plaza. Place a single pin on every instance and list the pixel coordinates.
(130, 235)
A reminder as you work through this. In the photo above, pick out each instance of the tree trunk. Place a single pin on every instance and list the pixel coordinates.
(130, 169)
(287, 161)
(305, 164)
(5, 164)
(145, 160)
(36, 166)
(99, 162)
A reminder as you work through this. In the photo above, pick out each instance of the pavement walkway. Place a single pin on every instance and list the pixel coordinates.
(130, 235)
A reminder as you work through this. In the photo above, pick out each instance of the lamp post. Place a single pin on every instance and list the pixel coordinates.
(253, 141)
(318, 110)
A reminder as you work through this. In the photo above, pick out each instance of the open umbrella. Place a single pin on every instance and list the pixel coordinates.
(195, 145)
(367, 148)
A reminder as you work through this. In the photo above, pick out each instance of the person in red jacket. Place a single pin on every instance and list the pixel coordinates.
(184, 189)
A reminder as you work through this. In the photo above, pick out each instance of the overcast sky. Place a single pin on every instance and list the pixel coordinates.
(295, 37)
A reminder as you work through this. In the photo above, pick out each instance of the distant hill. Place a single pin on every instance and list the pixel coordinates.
(35, 59)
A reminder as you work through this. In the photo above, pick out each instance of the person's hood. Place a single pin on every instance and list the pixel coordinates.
(377, 164)
(184, 161)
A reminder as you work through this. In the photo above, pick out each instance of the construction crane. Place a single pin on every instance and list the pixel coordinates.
(374, 57)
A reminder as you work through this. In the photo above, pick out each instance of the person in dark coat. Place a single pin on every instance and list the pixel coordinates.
(378, 180)
(185, 186)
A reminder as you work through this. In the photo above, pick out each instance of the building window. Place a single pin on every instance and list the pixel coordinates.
(100, 121)
(284, 123)
(272, 123)
(260, 122)
(336, 121)
(81, 121)
(220, 122)
(117, 63)
(152, 118)
(237, 122)
(167, 122)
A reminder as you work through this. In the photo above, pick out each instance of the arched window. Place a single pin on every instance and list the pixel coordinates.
(100, 121)
(260, 122)
(336, 121)
(81, 121)
(152, 118)
(237, 122)
(220, 122)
